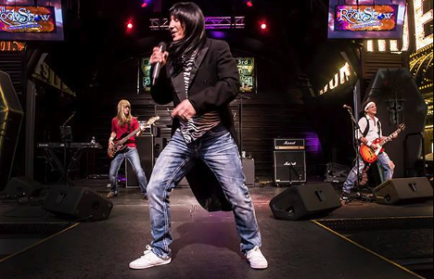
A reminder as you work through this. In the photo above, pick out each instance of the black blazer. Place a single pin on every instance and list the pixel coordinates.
(214, 83)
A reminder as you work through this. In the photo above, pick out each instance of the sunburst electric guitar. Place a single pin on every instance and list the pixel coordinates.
(119, 144)
(369, 154)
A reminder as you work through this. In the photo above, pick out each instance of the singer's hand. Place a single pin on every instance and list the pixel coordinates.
(185, 111)
(158, 57)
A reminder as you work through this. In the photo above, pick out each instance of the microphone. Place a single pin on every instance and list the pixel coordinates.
(157, 67)
(347, 107)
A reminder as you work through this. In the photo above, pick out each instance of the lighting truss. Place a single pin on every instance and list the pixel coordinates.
(217, 22)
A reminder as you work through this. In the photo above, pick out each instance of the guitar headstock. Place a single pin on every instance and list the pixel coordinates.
(152, 120)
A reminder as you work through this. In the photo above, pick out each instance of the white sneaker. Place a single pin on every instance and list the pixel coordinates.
(256, 259)
(149, 259)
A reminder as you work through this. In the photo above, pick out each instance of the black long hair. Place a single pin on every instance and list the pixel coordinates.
(193, 21)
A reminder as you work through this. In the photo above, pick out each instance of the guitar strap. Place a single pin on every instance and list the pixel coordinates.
(366, 131)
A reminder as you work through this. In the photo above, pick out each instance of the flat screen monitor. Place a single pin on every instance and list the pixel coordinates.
(246, 69)
(368, 19)
(22, 20)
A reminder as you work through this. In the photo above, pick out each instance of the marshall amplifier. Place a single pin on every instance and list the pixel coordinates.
(289, 167)
(289, 144)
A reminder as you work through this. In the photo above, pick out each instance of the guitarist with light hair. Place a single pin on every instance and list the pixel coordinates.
(370, 135)
(123, 124)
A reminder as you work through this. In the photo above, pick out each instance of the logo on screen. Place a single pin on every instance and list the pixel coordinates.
(25, 19)
(366, 18)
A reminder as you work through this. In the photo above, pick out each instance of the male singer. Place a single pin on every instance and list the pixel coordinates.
(201, 77)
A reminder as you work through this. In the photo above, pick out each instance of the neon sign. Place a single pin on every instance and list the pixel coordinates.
(7, 46)
(366, 18)
(339, 79)
(27, 19)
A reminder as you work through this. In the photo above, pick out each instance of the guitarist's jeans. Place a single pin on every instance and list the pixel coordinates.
(133, 156)
(383, 160)
(220, 153)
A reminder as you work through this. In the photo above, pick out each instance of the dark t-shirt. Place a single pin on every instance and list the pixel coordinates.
(121, 130)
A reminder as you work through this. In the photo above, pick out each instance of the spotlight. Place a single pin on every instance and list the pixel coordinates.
(249, 4)
(145, 3)
(130, 25)
(264, 26)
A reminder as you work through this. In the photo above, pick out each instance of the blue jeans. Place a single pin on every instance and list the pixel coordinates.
(220, 153)
(383, 160)
(133, 157)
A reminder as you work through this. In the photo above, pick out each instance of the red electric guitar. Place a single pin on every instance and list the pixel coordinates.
(369, 154)
(119, 144)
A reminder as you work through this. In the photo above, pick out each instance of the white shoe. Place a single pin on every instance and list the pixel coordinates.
(256, 259)
(149, 259)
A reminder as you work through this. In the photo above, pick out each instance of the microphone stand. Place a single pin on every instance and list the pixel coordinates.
(241, 97)
(65, 138)
(356, 130)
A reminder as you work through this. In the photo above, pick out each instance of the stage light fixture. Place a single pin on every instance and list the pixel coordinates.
(264, 26)
(145, 3)
(130, 25)
(249, 4)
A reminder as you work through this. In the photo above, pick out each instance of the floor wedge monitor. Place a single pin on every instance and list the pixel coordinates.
(404, 190)
(305, 201)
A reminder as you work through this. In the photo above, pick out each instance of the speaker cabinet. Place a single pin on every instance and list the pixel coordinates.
(22, 187)
(249, 171)
(404, 190)
(11, 117)
(145, 147)
(303, 201)
(289, 167)
(77, 203)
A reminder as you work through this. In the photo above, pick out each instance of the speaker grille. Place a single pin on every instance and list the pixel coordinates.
(289, 166)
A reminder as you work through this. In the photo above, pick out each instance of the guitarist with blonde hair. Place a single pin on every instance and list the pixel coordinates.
(123, 124)
(369, 133)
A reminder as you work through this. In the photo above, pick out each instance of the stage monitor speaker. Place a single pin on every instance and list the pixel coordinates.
(404, 190)
(77, 203)
(303, 201)
(19, 187)
(145, 147)
(289, 167)
(249, 171)
(11, 116)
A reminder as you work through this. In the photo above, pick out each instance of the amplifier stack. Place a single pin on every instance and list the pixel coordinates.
(289, 161)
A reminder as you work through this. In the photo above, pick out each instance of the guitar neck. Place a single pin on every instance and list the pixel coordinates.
(389, 138)
(150, 122)
(129, 136)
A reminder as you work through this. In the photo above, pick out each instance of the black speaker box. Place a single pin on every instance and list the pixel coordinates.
(23, 187)
(77, 203)
(145, 147)
(300, 202)
(289, 167)
(404, 190)
(11, 117)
